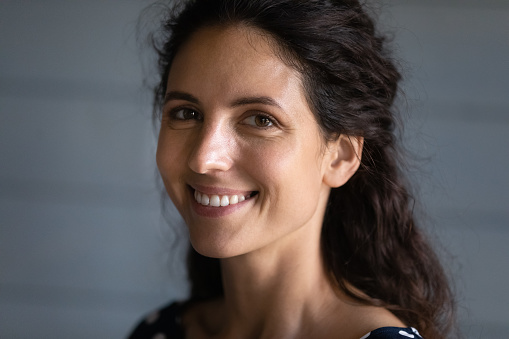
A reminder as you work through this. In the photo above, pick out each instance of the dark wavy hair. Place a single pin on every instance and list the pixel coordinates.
(370, 239)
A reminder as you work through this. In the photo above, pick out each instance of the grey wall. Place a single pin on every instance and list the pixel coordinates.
(458, 83)
(83, 248)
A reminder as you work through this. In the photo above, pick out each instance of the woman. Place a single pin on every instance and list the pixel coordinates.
(277, 147)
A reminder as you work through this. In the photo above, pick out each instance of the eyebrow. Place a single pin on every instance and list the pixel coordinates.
(176, 95)
(255, 100)
(264, 100)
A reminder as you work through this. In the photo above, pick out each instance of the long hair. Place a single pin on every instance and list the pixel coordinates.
(370, 239)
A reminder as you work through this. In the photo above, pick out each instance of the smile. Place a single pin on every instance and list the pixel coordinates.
(215, 200)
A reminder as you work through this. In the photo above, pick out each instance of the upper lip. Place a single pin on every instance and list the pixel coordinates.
(211, 190)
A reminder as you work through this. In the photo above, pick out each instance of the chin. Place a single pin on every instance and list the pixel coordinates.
(207, 247)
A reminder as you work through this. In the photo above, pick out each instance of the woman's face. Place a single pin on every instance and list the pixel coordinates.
(237, 132)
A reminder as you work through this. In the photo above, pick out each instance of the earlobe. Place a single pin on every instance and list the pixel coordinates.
(344, 158)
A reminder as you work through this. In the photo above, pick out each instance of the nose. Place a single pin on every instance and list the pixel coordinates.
(212, 149)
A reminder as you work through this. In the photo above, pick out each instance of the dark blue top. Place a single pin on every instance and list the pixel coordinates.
(165, 324)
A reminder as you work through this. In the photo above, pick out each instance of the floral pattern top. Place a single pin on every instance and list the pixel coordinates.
(165, 324)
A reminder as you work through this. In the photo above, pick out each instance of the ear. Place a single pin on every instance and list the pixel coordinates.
(342, 160)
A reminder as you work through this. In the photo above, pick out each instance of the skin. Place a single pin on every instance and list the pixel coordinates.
(236, 121)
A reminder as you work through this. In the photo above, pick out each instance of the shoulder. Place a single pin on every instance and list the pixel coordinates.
(162, 323)
(393, 333)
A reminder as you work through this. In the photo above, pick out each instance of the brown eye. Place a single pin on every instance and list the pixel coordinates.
(185, 114)
(262, 121)
(259, 120)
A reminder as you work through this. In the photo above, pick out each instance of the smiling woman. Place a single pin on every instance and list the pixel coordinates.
(245, 139)
(277, 147)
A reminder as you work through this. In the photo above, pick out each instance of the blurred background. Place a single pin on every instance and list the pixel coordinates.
(84, 248)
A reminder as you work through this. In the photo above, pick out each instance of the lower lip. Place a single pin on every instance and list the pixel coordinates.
(217, 212)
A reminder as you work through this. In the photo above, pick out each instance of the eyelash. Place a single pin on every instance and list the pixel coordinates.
(172, 114)
(272, 120)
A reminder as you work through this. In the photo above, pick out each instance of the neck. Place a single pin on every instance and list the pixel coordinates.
(269, 290)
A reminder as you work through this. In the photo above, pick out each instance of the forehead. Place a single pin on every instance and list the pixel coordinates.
(231, 56)
(229, 43)
(243, 39)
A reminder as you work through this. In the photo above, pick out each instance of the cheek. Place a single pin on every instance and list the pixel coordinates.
(288, 159)
(164, 157)
(168, 159)
(170, 152)
(289, 173)
(269, 162)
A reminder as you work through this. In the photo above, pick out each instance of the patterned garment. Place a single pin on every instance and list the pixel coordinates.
(165, 324)
(393, 333)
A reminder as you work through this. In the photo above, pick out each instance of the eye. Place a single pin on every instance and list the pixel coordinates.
(184, 114)
(259, 120)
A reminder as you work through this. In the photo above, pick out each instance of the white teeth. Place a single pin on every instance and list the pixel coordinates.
(225, 201)
(204, 199)
(216, 200)
(234, 199)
